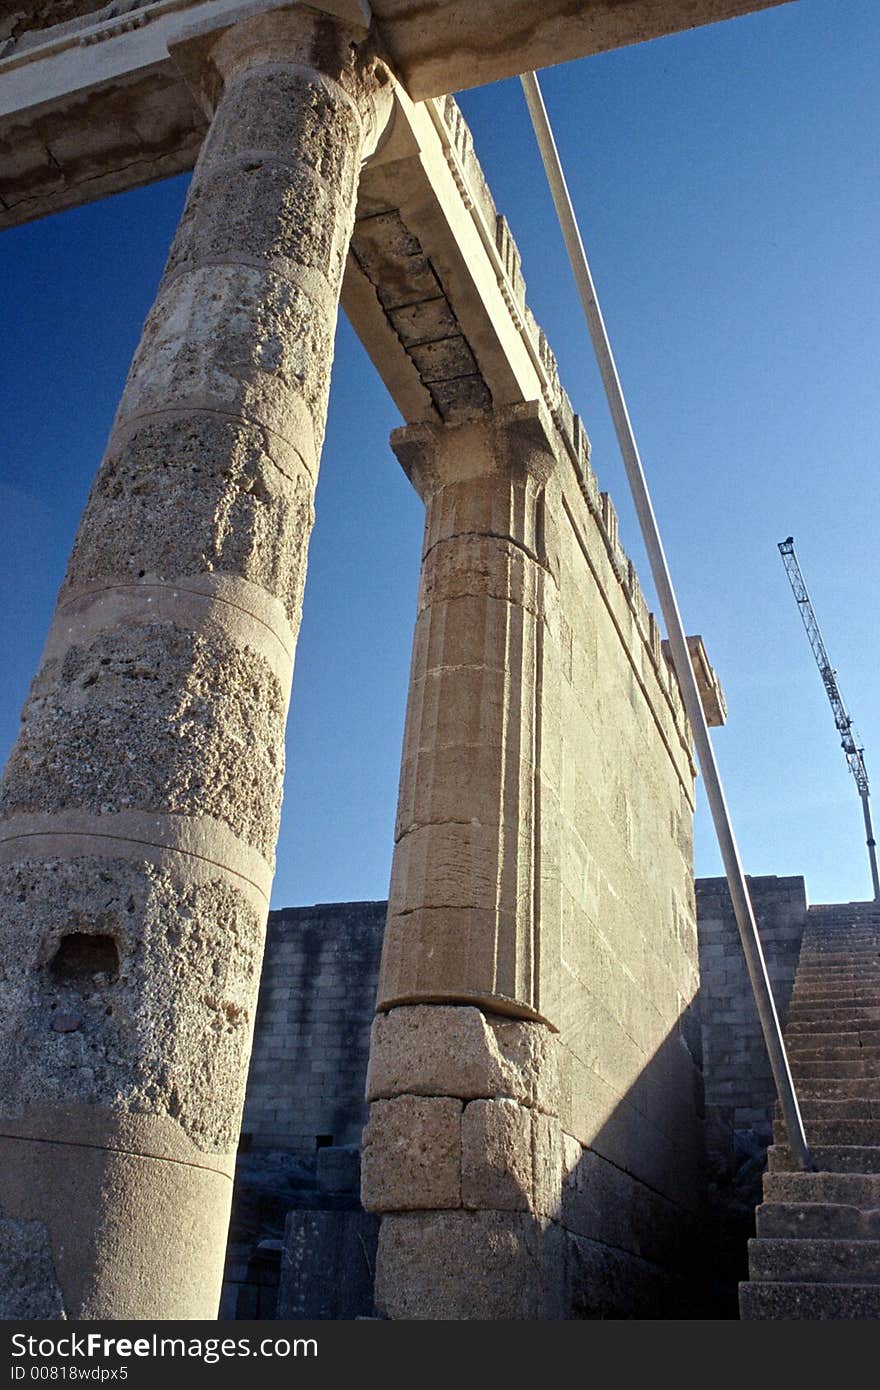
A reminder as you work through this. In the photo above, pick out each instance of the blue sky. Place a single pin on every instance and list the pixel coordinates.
(727, 185)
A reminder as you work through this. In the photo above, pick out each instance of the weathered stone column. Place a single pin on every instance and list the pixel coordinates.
(462, 923)
(141, 802)
(463, 1150)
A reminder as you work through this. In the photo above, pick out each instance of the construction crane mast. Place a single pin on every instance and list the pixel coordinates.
(849, 739)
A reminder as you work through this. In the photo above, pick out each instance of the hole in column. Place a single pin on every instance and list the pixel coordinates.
(81, 956)
(323, 1141)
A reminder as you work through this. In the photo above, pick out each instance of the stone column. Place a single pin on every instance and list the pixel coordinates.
(462, 1153)
(140, 805)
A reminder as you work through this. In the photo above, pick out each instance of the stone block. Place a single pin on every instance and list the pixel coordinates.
(339, 1168)
(412, 1155)
(549, 1165)
(459, 1266)
(496, 1156)
(605, 1283)
(446, 1049)
(327, 1265)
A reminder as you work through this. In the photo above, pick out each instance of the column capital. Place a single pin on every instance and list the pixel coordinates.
(515, 442)
(333, 38)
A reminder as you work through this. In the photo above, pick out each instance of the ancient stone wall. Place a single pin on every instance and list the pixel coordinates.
(739, 1084)
(305, 1087)
(740, 1093)
(535, 1139)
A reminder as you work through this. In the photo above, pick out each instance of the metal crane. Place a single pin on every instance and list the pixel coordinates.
(849, 739)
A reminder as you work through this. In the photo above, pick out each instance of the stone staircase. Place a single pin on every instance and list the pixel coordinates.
(817, 1249)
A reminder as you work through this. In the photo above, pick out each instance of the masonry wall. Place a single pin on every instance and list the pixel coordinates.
(305, 1086)
(739, 1084)
(740, 1093)
(631, 1095)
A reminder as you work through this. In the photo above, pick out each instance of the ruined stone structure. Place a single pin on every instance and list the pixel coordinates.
(534, 1144)
(739, 1089)
(308, 1068)
(740, 1093)
(301, 1246)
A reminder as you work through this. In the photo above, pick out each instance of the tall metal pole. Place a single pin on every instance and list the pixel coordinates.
(739, 893)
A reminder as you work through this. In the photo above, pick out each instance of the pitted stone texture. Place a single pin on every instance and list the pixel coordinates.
(455, 1266)
(291, 114)
(28, 1285)
(496, 1156)
(336, 44)
(412, 1155)
(187, 497)
(186, 720)
(549, 1165)
(437, 1049)
(169, 1035)
(270, 220)
(155, 719)
(292, 142)
(242, 340)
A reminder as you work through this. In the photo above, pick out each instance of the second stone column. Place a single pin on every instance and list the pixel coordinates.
(463, 1151)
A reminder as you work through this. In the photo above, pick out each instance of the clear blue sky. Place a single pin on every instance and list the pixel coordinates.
(727, 184)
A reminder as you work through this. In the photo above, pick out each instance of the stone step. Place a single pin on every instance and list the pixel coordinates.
(860, 1190)
(816, 1221)
(831, 931)
(855, 1107)
(827, 1302)
(825, 979)
(836, 936)
(839, 1020)
(856, 959)
(820, 1052)
(836, 1067)
(835, 1001)
(849, 960)
(829, 1133)
(797, 1029)
(830, 994)
(852, 946)
(845, 952)
(846, 928)
(840, 1011)
(838, 1087)
(861, 971)
(865, 1133)
(834, 932)
(864, 1035)
(811, 1261)
(840, 1005)
(829, 1158)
